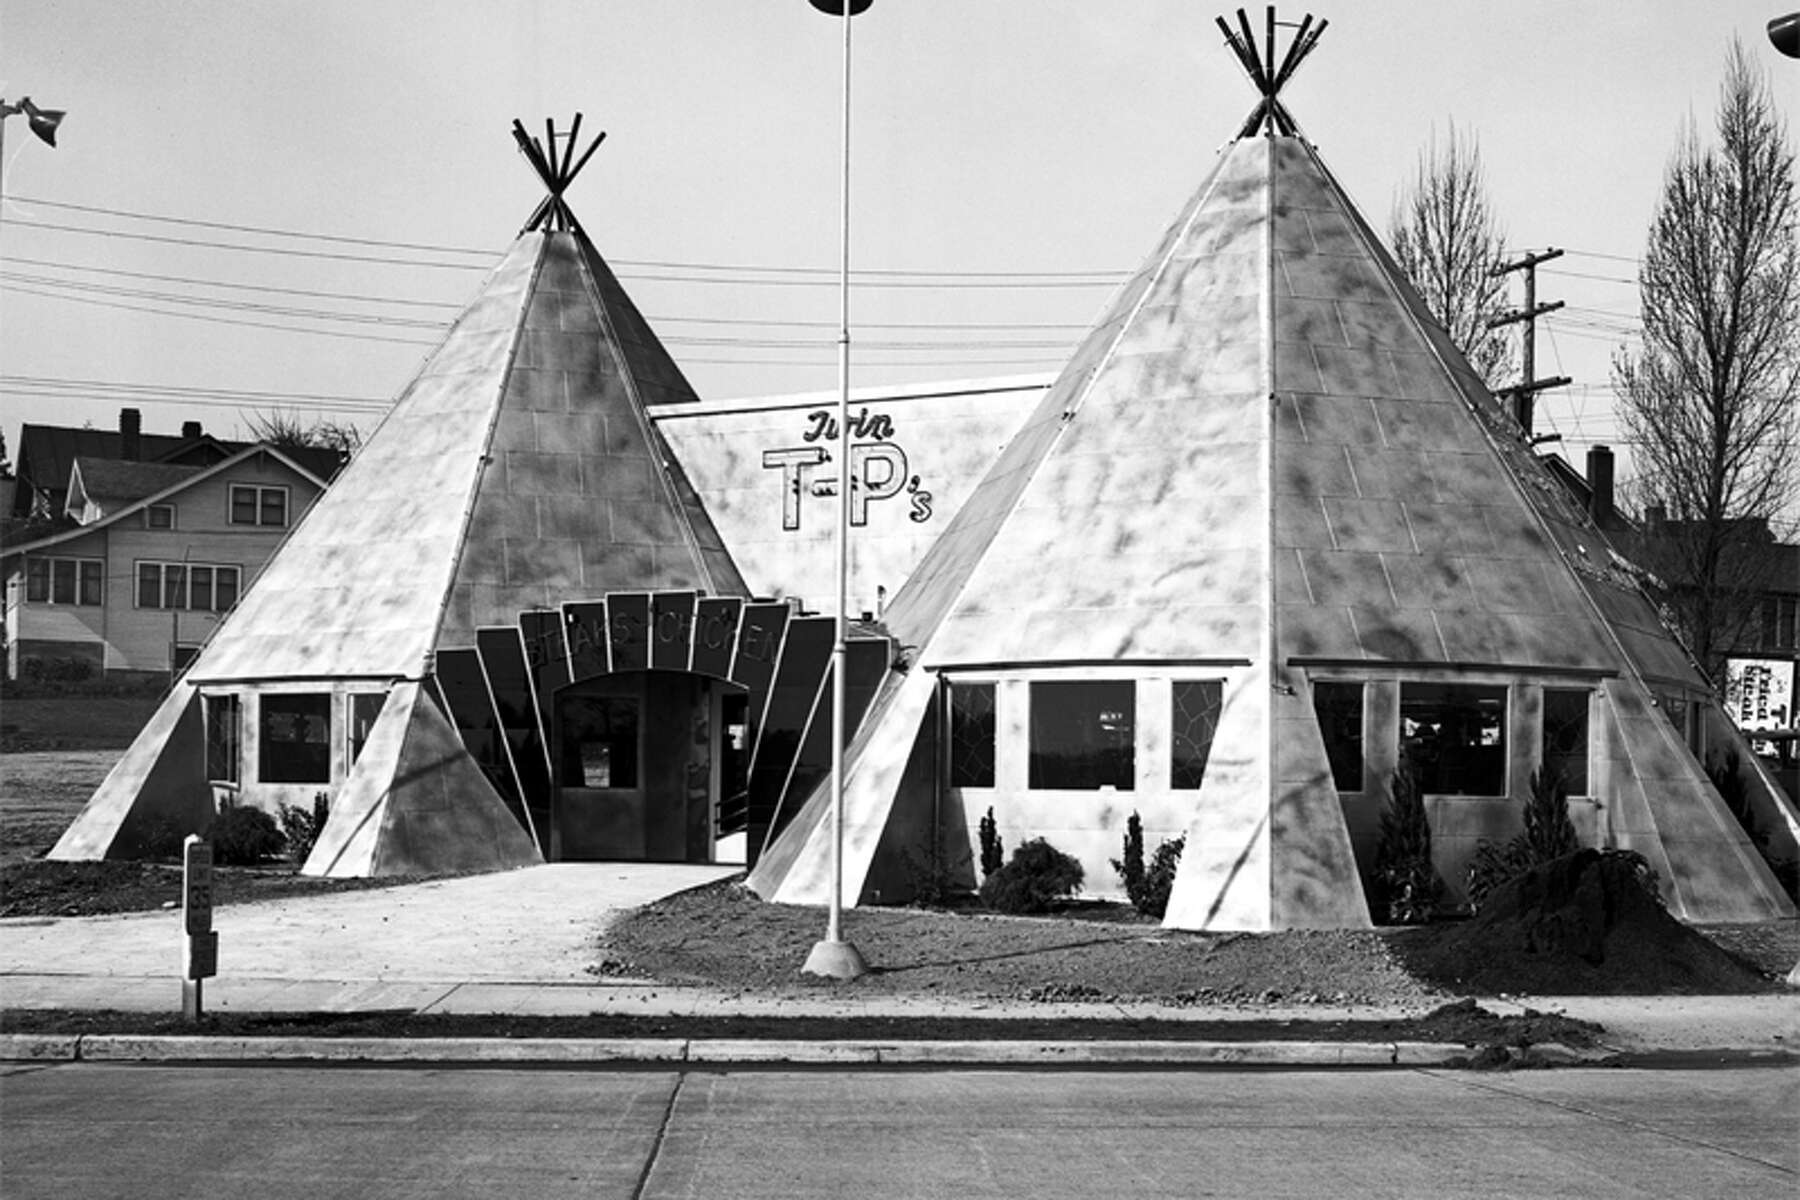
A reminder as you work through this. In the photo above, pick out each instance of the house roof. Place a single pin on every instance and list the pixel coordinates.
(175, 487)
(518, 469)
(112, 482)
(47, 453)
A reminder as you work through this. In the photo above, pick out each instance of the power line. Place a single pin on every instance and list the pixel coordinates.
(317, 314)
(28, 290)
(668, 318)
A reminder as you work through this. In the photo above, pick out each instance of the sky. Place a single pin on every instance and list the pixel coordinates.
(1012, 160)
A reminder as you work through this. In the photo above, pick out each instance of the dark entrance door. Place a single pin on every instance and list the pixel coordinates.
(637, 767)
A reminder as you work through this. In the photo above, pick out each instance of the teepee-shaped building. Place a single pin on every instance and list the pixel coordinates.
(372, 659)
(1267, 538)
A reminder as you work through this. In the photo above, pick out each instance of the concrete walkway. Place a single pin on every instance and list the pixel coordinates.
(522, 942)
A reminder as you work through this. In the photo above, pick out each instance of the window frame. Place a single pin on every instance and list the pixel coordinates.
(1360, 766)
(260, 495)
(45, 575)
(228, 750)
(1175, 765)
(271, 770)
(954, 761)
(150, 514)
(177, 579)
(1123, 770)
(1586, 696)
(1434, 784)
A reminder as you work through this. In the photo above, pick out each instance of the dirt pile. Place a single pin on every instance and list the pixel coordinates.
(1589, 924)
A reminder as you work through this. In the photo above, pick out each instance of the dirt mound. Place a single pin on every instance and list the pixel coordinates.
(1587, 923)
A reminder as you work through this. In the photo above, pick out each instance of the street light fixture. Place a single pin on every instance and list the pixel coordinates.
(834, 957)
(43, 123)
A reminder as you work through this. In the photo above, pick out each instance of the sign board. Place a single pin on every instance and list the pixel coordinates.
(1759, 695)
(196, 885)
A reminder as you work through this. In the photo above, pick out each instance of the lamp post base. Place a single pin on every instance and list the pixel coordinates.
(835, 960)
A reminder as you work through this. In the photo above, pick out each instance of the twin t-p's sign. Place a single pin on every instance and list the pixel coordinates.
(878, 468)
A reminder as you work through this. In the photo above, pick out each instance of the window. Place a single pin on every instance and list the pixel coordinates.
(1566, 740)
(1339, 708)
(258, 505)
(1193, 719)
(1453, 736)
(296, 738)
(159, 516)
(224, 720)
(599, 741)
(198, 587)
(972, 735)
(78, 581)
(1082, 734)
(364, 708)
(1780, 622)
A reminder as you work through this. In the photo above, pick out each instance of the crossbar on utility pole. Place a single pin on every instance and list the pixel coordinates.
(1524, 395)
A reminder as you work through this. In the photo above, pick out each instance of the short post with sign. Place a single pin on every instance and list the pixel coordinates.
(200, 951)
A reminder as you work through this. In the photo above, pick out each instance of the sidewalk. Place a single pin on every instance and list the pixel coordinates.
(520, 943)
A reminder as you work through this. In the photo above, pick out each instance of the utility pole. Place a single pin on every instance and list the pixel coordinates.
(1524, 395)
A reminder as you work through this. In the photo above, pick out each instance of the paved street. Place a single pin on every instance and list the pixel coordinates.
(95, 1130)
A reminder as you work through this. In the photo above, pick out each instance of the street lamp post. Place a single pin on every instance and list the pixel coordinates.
(834, 957)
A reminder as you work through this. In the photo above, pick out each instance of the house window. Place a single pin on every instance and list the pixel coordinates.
(258, 505)
(1780, 622)
(599, 741)
(197, 587)
(1339, 708)
(364, 708)
(1566, 740)
(76, 581)
(1082, 734)
(159, 516)
(224, 718)
(1193, 719)
(296, 738)
(972, 735)
(1453, 737)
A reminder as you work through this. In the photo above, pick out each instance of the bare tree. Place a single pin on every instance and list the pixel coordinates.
(1448, 241)
(1708, 403)
(288, 431)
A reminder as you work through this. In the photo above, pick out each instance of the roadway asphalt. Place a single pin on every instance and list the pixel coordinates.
(521, 943)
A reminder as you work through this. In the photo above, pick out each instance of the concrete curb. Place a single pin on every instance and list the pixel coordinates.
(163, 1048)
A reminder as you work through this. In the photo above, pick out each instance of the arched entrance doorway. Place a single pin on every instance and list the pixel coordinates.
(648, 766)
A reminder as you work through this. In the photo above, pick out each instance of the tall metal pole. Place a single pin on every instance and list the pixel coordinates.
(834, 956)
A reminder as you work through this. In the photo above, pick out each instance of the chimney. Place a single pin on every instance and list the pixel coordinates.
(1600, 484)
(191, 431)
(131, 428)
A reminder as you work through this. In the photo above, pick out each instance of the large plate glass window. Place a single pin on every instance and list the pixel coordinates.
(1193, 719)
(364, 708)
(1083, 734)
(1453, 736)
(972, 735)
(296, 738)
(1339, 708)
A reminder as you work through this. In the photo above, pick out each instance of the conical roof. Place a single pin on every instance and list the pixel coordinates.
(1261, 429)
(517, 470)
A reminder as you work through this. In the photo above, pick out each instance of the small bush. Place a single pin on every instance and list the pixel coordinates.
(243, 836)
(1148, 887)
(302, 828)
(1037, 876)
(1409, 884)
(993, 850)
(1549, 835)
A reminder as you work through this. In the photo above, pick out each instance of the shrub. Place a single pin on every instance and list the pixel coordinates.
(302, 828)
(1037, 876)
(244, 837)
(1549, 834)
(993, 850)
(1148, 888)
(1409, 884)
